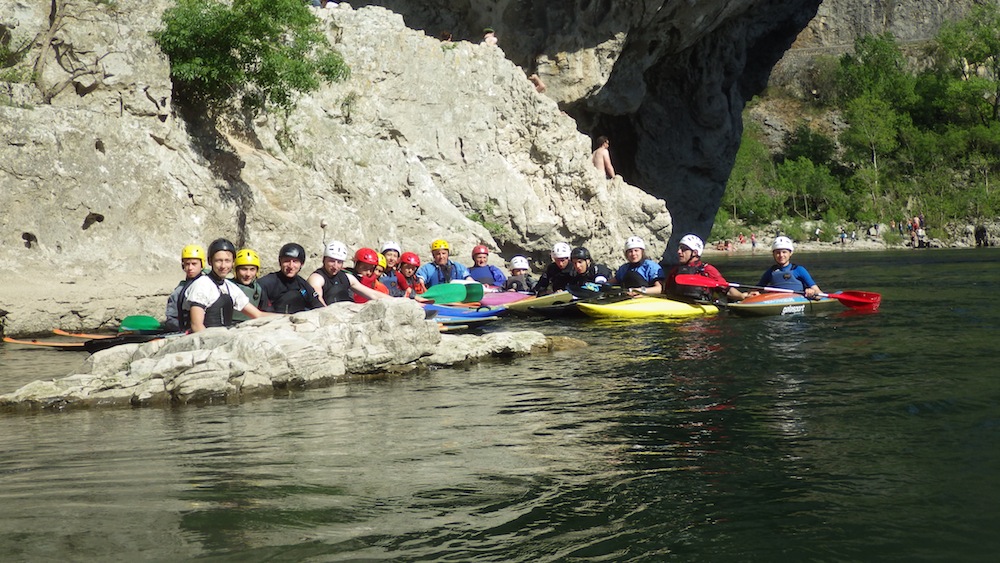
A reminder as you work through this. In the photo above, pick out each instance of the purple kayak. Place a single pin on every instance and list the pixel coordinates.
(503, 298)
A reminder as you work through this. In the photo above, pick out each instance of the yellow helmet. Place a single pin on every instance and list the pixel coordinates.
(247, 257)
(381, 260)
(194, 251)
(440, 244)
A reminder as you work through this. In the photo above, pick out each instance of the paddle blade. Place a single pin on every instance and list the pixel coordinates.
(474, 292)
(137, 323)
(861, 300)
(700, 281)
(446, 293)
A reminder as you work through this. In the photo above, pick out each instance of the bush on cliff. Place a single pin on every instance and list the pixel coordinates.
(262, 53)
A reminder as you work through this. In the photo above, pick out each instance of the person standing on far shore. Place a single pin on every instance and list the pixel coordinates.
(601, 157)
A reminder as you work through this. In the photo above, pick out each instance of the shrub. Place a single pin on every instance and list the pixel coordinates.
(261, 52)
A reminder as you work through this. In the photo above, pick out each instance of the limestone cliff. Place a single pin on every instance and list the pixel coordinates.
(99, 173)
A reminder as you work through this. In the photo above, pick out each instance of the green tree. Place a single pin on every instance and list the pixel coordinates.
(814, 184)
(749, 193)
(877, 69)
(872, 137)
(263, 53)
(969, 50)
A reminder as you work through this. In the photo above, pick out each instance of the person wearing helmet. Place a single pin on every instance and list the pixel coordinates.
(585, 273)
(482, 272)
(689, 251)
(442, 269)
(639, 274)
(411, 285)
(558, 273)
(212, 299)
(332, 283)
(364, 278)
(247, 265)
(286, 290)
(193, 264)
(784, 273)
(520, 276)
(390, 277)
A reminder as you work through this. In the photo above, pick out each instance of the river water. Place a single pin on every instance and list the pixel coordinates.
(829, 438)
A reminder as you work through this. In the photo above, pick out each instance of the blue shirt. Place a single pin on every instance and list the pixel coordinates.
(432, 274)
(649, 270)
(792, 277)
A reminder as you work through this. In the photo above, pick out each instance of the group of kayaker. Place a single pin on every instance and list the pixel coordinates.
(222, 285)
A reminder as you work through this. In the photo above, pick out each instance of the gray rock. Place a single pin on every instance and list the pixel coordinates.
(337, 343)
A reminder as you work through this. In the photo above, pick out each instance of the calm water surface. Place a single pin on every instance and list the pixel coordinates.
(840, 437)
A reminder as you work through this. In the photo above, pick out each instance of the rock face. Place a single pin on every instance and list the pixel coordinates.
(314, 348)
(666, 81)
(99, 175)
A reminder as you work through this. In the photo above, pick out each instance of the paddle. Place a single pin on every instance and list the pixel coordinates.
(449, 292)
(853, 299)
(139, 323)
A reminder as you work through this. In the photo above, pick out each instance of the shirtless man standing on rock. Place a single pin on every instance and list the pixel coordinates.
(602, 157)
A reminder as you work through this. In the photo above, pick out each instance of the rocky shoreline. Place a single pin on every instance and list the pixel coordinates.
(342, 342)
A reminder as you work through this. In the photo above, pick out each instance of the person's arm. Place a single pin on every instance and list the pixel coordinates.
(254, 312)
(498, 276)
(197, 314)
(358, 287)
(316, 282)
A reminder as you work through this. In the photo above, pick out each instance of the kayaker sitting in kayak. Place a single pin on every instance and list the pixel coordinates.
(193, 263)
(211, 300)
(442, 269)
(558, 273)
(784, 274)
(689, 257)
(639, 274)
(585, 273)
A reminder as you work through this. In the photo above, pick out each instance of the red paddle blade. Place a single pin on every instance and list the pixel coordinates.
(700, 281)
(865, 300)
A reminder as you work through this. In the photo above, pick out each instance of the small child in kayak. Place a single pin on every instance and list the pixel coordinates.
(247, 267)
(520, 276)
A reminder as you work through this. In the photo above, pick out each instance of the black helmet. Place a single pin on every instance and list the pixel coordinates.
(293, 250)
(580, 253)
(219, 245)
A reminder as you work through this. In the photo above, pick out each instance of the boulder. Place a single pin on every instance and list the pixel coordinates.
(341, 342)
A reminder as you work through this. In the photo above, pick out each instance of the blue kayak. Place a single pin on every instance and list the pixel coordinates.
(464, 312)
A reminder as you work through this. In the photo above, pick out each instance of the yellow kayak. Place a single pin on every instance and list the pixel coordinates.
(523, 306)
(647, 307)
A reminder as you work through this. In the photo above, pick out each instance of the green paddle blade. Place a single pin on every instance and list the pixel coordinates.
(139, 322)
(473, 292)
(446, 293)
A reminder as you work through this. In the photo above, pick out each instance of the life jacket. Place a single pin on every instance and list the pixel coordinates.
(255, 293)
(633, 278)
(445, 273)
(220, 313)
(485, 275)
(288, 295)
(694, 292)
(522, 282)
(371, 282)
(412, 286)
(335, 288)
(183, 315)
(785, 279)
(394, 283)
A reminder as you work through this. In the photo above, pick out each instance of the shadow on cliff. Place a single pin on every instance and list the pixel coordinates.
(223, 160)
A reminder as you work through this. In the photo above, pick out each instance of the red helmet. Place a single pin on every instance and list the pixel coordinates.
(410, 258)
(479, 249)
(366, 256)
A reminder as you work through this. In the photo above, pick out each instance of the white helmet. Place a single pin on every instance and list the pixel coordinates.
(519, 263)
(634, 242)
(782, 243)
(561, 250)
(336, 250)
(693, 242)
(391, 245)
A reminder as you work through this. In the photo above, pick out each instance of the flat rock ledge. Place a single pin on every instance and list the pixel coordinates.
(343, 342)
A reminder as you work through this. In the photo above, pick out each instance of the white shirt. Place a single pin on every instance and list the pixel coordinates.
(203, 291)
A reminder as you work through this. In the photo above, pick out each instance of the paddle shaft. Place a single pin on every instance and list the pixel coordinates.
(854, 300)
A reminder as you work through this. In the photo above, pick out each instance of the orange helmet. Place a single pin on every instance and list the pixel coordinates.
(410, 258)
(366, 256)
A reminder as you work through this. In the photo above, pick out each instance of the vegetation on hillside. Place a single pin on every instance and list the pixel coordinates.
(262, 53)
(917, 140)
